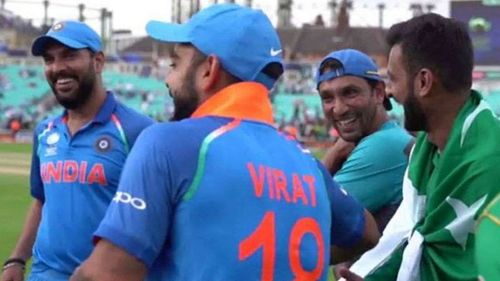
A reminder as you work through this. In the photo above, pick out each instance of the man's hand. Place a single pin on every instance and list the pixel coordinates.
(348, 275)
(13, 273)
(336, 155)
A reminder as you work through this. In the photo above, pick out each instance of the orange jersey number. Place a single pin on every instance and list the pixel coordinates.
(265, 237)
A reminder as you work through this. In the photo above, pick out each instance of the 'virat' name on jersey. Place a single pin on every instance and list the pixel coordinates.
(278, 187)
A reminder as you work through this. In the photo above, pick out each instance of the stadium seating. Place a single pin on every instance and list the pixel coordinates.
(23, 86)
(145, 94)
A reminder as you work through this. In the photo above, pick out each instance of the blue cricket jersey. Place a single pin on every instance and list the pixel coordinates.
(224, 196)
(75, 177)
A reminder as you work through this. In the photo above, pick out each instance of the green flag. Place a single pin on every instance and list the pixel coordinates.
(487, 246)
(431, 236)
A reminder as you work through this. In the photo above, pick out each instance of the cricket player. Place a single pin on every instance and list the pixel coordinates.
(77, 156)
(220, 194)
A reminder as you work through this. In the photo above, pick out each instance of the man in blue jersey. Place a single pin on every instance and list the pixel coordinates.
(370, 157)
(77, 157)
(221, 194)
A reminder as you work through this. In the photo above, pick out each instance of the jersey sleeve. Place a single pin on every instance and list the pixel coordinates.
(36, 184)
(348, 216)
(139, 215)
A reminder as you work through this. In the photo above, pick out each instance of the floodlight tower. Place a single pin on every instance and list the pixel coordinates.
(381, 8)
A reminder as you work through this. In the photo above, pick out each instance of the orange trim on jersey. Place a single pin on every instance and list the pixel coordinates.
(245, 100)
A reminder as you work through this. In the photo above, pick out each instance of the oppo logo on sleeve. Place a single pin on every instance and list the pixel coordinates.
(126, 198)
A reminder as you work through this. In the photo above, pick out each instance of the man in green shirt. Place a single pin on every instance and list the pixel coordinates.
(453, 170)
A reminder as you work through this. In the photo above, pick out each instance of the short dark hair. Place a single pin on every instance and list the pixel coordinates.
(438, 43)
(330, 64)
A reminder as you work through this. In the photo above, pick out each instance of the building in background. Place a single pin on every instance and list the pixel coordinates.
(308, 31)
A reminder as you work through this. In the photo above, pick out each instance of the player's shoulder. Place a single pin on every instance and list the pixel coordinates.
(386, 140)
(46, 123)
(131, 116)
(482, 120)
(391, 132)
(181, 134)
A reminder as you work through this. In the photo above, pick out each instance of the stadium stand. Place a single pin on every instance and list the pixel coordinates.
(135, 72)
(25, 94)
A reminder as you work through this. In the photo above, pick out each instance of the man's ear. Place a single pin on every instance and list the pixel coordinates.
(379, 91)
(209, 73)
(424, 81)
(99, 60)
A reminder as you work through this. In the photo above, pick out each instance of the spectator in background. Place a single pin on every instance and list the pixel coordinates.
(370, 156)
(15, 127)
(309, 124)
(77, 157)
(453, 171)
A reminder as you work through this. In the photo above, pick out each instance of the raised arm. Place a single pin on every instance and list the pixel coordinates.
(336, 155)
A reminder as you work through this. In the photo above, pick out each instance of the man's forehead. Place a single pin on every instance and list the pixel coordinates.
(340, 83)
(396, 53)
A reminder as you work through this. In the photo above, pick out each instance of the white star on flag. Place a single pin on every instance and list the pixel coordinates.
(464, 223)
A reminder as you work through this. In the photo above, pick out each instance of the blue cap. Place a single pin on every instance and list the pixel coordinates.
(243, 39)
(73, 34)
(354, 63)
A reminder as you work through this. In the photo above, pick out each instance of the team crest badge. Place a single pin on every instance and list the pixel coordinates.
(103, 144)
(53, 139)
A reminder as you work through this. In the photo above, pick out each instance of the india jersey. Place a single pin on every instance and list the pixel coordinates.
(227, 198)
(76, 177)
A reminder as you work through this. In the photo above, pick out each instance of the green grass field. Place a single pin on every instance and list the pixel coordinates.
(15, 195)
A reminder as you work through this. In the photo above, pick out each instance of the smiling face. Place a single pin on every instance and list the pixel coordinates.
(350, 104)
(71, 73)
(400, 85)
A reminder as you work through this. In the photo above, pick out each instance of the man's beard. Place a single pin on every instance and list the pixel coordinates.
(82, 94)
(186, 102)
(415, 119)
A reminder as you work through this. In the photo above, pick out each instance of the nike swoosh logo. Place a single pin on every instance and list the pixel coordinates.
(275, 52)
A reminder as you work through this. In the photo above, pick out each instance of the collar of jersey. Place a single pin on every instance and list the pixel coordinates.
(104, 114)
(245, 100)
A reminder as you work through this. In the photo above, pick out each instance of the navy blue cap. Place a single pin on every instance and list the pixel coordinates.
(354, 63)
(73, 34)
(242, 38)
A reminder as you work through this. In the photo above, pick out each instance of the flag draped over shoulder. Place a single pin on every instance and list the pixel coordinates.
(431, 236)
